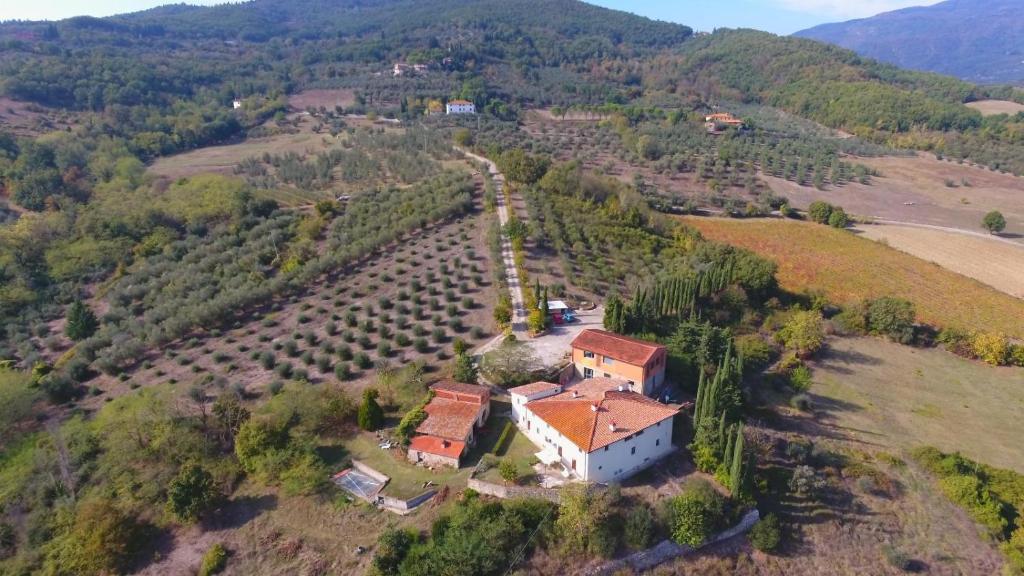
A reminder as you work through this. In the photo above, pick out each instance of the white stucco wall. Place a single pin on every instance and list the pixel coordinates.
(620, 460)
(519, 402)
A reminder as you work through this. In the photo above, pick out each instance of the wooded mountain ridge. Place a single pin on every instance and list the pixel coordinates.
(976, 40)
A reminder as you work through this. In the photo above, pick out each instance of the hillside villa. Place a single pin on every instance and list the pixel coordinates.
(713, 122)
(638, 364)
(596, 430)
(460, 107)
(453, 415)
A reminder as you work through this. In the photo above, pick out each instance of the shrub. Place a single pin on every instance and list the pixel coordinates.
(342, 371)
(819, 212)
(421, 345)
(838, 218)
(439, 335)
(310, 338)
(275, 387)
(291, 348)
(851, 322)
(323, 364)
(214, 561)
(191, 493)
(800, 378)
(638, 528)
(402, 340)
(362, 361)
(803, 333)
(370, 416)
(365, 343)
(892, 317)
(696, 513)
(994, 349)
(401, 322)
(284, 370)
(383, 349)
(344, 352)
(508, 471)
(766, 534)
(756, 353)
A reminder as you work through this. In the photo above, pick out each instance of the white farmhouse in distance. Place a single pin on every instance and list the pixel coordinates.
(460, 107)
(597, 430)
(236, 104)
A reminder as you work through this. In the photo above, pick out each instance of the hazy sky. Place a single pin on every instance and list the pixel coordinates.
(780, 16)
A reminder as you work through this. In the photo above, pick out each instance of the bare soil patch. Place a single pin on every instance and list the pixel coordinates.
(29, 119)
(993, 107)
(922, 190)
(327, 98)
(997, 263)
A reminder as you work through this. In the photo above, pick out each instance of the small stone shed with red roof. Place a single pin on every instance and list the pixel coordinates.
(454, 415)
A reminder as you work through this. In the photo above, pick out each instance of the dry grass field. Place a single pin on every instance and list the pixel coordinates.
(994, 262)
(893, 397)
(328, 98)
(849, 269)
(223, 159)
(993, 107)
(922, 190)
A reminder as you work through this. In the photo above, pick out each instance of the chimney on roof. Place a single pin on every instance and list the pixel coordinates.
(445, 443)
(611, 426)
(575, 394)
(593, 407)
(621, 388)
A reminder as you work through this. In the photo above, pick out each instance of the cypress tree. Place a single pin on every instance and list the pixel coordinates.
(736, 473)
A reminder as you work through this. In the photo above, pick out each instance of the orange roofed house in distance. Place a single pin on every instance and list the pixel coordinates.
(640, 364)
(453, 415)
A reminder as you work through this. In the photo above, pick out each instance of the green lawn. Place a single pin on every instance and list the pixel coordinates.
(896, 397)
(521, 451)
(406, 478)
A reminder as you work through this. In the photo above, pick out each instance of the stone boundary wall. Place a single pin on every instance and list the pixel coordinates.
(499, 491)
(670, 550)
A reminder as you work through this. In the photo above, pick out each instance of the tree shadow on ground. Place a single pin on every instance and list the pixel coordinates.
(240, 511)
(840, 360)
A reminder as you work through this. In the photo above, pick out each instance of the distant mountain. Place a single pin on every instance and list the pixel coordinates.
(978, 40)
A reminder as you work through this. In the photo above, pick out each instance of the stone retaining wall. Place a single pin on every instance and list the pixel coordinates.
(405, 506)
(500, 491)
(370, 472)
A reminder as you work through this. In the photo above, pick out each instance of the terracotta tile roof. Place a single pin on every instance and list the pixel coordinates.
(481, 393)
(592, 388)
(438, 446)
(621, 348)
(531, 389)
(449, 418)
(460, 102)
(576, 419)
